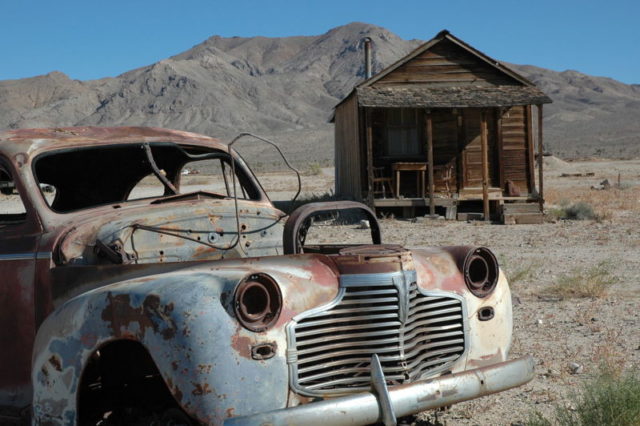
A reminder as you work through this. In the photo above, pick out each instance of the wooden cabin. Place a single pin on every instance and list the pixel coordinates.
(445, 130)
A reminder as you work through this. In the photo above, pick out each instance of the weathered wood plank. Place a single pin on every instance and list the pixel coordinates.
(485, 166)
(529, 141)
(429, 133)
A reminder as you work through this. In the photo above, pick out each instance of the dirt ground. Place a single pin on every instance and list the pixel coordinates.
(557, 331)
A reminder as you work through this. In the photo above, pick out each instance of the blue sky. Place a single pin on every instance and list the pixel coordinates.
(91, 39)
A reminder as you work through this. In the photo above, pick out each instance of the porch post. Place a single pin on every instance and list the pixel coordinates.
(485, 166)
(369, 140)
(540, 158)
(432, 203)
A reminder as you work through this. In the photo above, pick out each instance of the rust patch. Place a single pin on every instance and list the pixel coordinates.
(177, 393)
(89, 340)
(200, 389)
(242, 345)
(175, 390)
(486, 360)
(442, 264)
(230, 412)
(152, 314)
(174, 365)
(204, 368)
(55, 362)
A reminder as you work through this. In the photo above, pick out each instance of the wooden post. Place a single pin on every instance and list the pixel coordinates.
(369, 139)
(432, 203)
(501, 152)
(540, 159)
(531, 169)
(485, 166)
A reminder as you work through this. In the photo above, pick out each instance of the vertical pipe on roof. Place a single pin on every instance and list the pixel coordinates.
(367, 56)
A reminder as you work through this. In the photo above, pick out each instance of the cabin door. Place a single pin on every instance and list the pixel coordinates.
(471, 149)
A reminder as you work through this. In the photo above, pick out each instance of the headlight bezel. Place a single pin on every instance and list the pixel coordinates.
(257, 302)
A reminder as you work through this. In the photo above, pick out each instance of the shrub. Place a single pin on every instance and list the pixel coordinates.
(314, 169)
(593, 282)
(522, 274)
(606, 399)
(579, 211)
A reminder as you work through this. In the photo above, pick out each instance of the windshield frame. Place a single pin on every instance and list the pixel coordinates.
(244, 176)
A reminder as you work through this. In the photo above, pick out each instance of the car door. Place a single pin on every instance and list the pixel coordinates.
(19, 236)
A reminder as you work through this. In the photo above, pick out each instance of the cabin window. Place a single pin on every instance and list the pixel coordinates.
(403, 132)
(12, 210)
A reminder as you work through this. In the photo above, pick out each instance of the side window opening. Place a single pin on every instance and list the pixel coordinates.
(148, 186)
(213, 175)
(12, 209)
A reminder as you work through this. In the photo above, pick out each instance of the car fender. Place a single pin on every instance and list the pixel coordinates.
(185, 321)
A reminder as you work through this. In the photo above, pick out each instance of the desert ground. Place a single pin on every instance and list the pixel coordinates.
(570, 333)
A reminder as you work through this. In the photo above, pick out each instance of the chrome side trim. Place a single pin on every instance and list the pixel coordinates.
(26, 256)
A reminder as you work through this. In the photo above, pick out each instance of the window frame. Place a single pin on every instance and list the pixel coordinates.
(405, 125)
(28, 224)
(243, 174)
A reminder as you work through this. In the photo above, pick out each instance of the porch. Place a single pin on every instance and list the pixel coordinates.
(459, 163)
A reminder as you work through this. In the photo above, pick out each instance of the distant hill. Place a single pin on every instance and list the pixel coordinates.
(285, 88)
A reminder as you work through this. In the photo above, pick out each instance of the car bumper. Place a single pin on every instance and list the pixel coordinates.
(385, 405)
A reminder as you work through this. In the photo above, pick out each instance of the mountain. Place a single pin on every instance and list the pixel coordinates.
(285, 88)
(589, 116)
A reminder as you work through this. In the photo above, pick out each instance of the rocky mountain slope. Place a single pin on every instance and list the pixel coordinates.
(285, 88)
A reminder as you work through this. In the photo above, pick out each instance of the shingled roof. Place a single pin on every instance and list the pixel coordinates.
(520, 91)
(449, 97)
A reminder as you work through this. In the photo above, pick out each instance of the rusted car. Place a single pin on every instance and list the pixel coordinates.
(198, 302)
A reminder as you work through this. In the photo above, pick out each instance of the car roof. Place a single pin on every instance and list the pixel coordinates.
(35, 141)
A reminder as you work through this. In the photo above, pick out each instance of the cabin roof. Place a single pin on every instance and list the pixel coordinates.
(449, 97)
(523, 92)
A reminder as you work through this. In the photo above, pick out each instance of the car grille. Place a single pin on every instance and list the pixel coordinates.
(331, 349)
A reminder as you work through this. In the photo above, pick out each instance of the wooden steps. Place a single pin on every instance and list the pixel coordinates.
(521, 214)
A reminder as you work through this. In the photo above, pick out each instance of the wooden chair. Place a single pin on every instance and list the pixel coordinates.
(381, 183)
(444, 174)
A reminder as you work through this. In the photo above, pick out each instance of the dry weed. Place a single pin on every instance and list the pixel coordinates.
(592, 283)
(608, 354)
(522, 274)
(604, 202)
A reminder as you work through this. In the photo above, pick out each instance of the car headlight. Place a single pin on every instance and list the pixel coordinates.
(480, 271)
(479, 267)
(257, 302)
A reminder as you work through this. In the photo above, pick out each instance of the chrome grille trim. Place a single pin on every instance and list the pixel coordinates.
(330, 347)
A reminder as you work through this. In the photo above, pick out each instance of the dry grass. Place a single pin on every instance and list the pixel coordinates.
(592, 283)
(314, 169)
(522, 274)
(604, 202)
(608, 398)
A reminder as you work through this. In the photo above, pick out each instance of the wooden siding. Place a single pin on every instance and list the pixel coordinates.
(515, 134)
(445, 147)
(472, 149)
(348, 161)
(445, 64)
